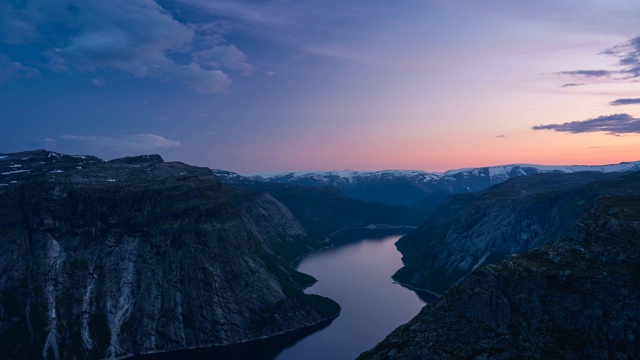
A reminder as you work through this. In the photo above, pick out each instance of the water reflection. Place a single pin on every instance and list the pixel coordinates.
(358, 276)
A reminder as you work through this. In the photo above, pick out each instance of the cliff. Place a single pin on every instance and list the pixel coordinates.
(106, 259)
(572, 298)
(471, 230)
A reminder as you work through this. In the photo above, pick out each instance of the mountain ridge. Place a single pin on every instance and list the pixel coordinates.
(347, 173)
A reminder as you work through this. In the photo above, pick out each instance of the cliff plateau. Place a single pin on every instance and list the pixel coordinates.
(137, 255)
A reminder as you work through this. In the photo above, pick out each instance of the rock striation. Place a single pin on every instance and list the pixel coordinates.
(137, 255)
(575, 297)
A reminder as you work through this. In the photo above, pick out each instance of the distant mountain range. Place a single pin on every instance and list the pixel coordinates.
(411, 187)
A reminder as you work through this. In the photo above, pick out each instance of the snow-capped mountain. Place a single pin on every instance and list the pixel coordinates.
(409, 187)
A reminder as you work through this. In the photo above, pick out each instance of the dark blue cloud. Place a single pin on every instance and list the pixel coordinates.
(625, 101)
(628, 66)
(10, 69)
(136, 37)
(628, 54)
(587, 73)
(615, 124)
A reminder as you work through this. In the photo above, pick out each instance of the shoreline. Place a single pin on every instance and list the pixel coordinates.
(415, 288)
(319, 324)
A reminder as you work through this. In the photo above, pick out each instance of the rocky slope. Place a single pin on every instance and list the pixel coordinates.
(470, 230)
(410, 187)
(106, 259)
(574, 298)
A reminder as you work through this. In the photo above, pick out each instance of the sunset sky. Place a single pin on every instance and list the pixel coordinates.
(268, 86)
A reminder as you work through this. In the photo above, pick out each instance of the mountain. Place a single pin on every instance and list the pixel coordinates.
(469, 230)
(410, 187)
(572, 298)
(104, 259)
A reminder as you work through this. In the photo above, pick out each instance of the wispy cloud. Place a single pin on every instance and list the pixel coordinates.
(628, 54)
(99, 82)
(571, 85)
(628, 66)
(615, 124)
(228, 56)
(122, 144)
(10, 69)
(587, 73)
(625, 102)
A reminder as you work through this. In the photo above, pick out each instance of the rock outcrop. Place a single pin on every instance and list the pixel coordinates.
(136, 255)
(572, 298)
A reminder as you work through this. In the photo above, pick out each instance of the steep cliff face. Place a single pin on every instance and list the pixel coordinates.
(470, 230)
(576, 298)
(106, 259)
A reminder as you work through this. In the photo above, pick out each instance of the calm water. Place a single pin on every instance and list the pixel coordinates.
(356, 274)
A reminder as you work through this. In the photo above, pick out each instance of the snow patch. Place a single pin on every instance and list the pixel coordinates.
(14, 172)
(348, 175)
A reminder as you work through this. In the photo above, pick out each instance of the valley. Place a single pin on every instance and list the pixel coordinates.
(133, 256)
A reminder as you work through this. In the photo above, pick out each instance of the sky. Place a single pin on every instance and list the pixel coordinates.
(263, 86)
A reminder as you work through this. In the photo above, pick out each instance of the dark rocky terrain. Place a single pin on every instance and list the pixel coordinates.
(470, 230)
(105, 259)
(573, 298)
